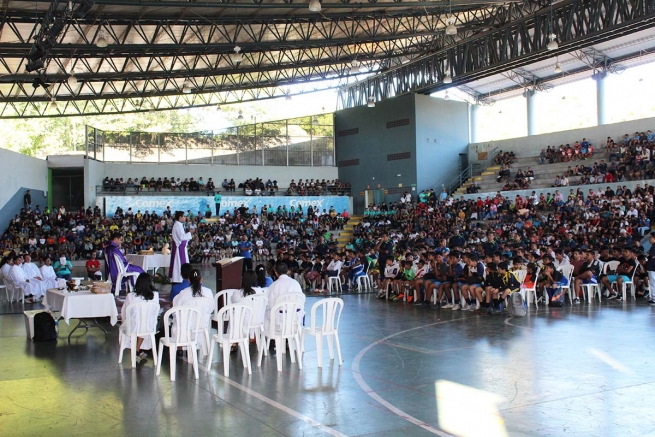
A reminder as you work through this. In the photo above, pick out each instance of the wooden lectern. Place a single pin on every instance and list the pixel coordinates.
(228, 273)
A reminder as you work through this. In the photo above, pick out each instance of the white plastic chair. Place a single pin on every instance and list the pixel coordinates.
(567, 271)
(329, 327)
(186, 320)
(531, 291)
(590, 290)
(140, 322)
(610, 265)
(629, 283)
(238, 331)
(364, 283)
(258, 303)
(285, 316)
(334, 283)
(205, 305)
(16, 290)
(122, 274)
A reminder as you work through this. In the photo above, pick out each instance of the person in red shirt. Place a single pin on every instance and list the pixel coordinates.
(93, 268)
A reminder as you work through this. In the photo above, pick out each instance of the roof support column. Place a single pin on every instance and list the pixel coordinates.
(601, 109)
(530, 99)
(473, 123)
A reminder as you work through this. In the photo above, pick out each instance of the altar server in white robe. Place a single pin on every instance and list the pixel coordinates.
(32, 288)
(179, 250)
(49, 276)
(6, 267)
(34, 274)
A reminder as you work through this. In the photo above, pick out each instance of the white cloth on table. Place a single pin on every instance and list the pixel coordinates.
(180, 253)
(81, 305)
(34, 288)
(283, 286)
(131, 298)
(149, 262)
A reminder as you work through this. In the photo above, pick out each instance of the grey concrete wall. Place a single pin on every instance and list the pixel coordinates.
(239, 173)
(94, 173)
(532, 145)
(442, 133)
(18, 173)
(372, 145)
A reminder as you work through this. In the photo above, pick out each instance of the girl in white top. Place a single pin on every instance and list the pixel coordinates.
(198, 296)
(144, 291)
(248, 288)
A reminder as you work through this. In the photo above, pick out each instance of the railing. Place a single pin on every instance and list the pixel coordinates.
(137, 190)
(472, 170)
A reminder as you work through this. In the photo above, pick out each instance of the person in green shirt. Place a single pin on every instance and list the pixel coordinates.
(217, 201)
(404, 279)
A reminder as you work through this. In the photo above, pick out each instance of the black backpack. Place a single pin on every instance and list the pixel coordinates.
(45, 328)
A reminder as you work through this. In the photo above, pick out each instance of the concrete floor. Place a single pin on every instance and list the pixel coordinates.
(574, 371)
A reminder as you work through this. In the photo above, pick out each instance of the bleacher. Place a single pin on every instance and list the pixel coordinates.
(544, 174)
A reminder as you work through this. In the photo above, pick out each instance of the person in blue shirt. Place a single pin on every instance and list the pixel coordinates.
(245, 249)
(185, 271)
(263, 280)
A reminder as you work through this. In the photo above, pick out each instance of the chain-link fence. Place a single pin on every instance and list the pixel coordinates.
(305, 141)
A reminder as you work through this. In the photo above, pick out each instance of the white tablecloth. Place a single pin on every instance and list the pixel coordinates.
(149, 262)
(81, 305)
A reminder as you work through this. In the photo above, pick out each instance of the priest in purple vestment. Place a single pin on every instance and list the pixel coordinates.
(113, 255)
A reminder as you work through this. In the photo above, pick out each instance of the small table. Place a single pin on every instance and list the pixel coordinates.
(150, 262)
(82, 305)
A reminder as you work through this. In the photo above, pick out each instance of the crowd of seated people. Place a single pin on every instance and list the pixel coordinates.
(630, 158)
(250, 187)
(311, 187)
(439, 249)
(581, 150)
(433, 245)
(159, 184)
(504, 158)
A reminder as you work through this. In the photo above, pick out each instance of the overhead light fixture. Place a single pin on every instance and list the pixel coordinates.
(240, 117)
(354, 67)
(315, 6)
(451, 29)
(446, 97)
(236, 56)
(371, 102)
(558, 69)
(552, 44)
(447, 79)
(218, 107)
(315, 121)
(102, 41)
(53, 103)
(288, 93)
(72, 80)
(186, 87)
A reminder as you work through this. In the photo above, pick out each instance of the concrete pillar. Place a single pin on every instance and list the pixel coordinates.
(530, 98)
(473, 123)
(600, 97)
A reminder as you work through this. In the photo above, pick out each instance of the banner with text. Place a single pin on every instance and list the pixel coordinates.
(197, 204)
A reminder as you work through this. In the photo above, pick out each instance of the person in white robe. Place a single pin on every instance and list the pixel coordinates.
(34, 274)
(49, 276)
(179, 250)
(31, 288)
(6, 267)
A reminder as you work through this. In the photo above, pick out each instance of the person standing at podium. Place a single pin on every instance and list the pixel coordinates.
(179, 251)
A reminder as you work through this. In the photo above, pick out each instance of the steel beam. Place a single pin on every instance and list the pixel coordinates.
(576, 23)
